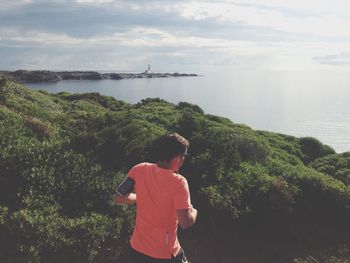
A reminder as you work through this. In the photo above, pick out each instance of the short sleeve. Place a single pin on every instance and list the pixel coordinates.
(132, 172)
(182, 199)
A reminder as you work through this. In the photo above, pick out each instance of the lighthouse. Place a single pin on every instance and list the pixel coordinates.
(147, 71)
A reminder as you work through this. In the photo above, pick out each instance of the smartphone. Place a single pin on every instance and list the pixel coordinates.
(125, 187)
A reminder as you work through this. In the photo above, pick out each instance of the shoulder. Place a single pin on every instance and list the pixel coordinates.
(141, 166)
(180, 180)
(138, 168)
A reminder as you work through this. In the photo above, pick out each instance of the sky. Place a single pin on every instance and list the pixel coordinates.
(174, 35)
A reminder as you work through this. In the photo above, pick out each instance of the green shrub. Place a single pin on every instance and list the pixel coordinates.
(252, 149)
(61, 156)
(193, 107)
(335, 165)
(3, 90)
(313, 149)
(41, 128)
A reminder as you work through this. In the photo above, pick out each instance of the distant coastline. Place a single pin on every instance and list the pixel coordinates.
(37, 76)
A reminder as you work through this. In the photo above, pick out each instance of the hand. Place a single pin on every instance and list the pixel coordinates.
(193, 210)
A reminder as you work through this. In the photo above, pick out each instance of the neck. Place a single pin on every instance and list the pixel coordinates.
(165, 165)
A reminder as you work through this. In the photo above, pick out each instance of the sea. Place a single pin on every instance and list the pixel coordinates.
(299, 103)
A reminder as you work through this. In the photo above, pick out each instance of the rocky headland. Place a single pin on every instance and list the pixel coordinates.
(32, 76)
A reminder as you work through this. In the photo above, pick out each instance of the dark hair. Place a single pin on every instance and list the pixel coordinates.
(169, 145)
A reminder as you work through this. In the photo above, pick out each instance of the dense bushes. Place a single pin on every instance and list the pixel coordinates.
(335, 165)
(62, 155)
(313, 149)
(47, 236)
(107, 102)
(3, 90)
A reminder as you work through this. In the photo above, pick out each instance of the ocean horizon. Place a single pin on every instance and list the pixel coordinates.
(298, 103)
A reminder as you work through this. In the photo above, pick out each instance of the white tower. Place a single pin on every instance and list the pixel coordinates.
(148, 69)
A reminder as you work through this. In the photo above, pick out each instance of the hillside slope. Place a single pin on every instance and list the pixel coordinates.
(261, 196)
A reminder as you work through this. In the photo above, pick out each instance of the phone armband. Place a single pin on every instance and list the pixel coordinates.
(125, 187)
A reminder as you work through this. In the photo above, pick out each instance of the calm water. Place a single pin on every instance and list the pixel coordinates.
(297, 103)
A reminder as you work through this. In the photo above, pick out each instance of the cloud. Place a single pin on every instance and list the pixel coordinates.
(13, 36)
(94, 2)
(133, 37)
(342, 58)
(269, 16)
(121, 33)
(13, 5)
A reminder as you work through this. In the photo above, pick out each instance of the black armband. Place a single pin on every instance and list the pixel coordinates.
(125, 187)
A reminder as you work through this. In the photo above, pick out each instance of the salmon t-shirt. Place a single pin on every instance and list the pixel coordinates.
(159, 193)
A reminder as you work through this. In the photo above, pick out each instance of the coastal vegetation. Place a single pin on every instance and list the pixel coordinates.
(261, 196)
(37, 76)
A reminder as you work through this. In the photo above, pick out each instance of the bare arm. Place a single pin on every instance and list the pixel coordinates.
(123, 193)
(129, 199)
(186, 217)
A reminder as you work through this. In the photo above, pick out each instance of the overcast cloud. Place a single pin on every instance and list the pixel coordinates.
(174, 35)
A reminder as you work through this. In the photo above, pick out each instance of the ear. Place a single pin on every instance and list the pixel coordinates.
(176, 160)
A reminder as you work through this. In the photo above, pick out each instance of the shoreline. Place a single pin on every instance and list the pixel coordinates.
(44, 76)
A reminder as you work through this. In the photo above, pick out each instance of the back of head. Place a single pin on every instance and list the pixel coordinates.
(170, 145)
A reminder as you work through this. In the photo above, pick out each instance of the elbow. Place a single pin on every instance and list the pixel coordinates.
(118, 200)
(187, 225)
(191, 223)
